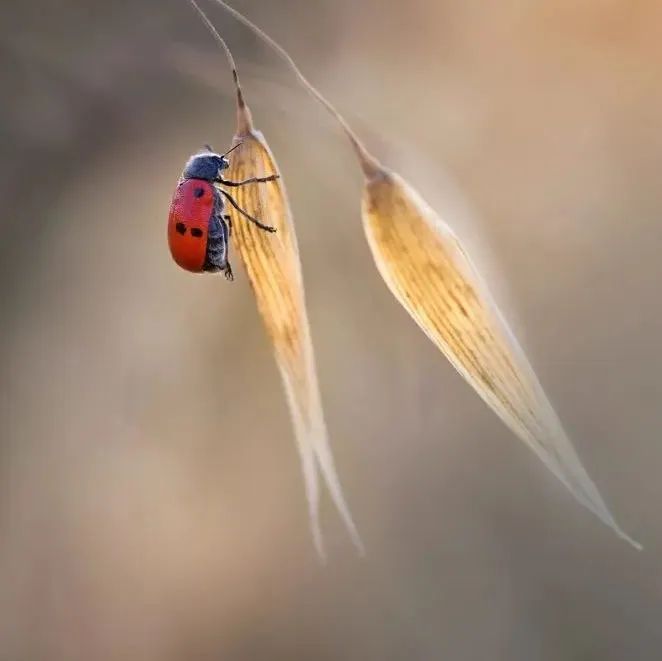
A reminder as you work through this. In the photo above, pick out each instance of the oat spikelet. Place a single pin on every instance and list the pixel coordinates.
(274, 271)
(428, 272)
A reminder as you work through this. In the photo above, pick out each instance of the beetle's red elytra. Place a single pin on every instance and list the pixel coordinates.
(188, 224)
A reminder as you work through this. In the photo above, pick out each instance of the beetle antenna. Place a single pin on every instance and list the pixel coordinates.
(233, 148)
(226, 49)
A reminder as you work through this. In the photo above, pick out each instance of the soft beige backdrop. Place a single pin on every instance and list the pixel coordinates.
(151, 506)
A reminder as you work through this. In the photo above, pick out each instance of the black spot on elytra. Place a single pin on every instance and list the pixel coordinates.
(181, 228)
(196, 231)
(199, 192)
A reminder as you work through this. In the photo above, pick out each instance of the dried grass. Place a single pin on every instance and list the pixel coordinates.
(429, 273)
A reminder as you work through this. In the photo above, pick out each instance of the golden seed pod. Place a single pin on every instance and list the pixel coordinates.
(274, 271)
(428, 272)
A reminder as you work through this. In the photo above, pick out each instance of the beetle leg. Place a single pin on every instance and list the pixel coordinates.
(252, 180)
(262, 226)
(228, 272)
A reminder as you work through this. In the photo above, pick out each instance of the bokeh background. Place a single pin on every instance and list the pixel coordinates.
(151, 505)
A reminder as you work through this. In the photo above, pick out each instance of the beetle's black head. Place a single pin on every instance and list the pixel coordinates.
(205, 165)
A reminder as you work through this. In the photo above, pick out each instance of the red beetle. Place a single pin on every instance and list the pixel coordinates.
(198, 227)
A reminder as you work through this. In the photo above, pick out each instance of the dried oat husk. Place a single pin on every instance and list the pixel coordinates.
(430, 274)
(425, 267)
(273, 267)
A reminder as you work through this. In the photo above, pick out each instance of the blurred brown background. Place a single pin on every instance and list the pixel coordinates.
(151, 505)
